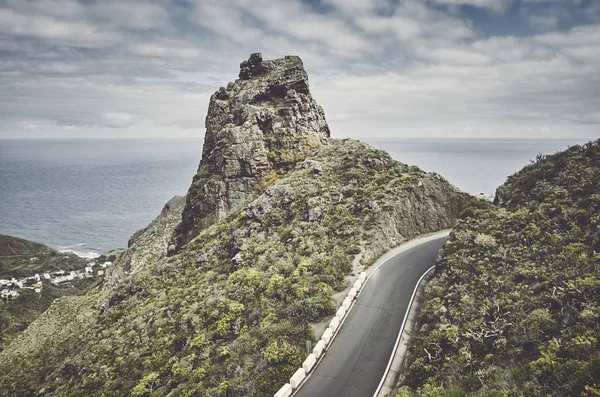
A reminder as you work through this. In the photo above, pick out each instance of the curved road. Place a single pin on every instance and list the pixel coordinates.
(359, 355)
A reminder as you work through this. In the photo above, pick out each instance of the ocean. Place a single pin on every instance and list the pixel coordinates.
(89, 196)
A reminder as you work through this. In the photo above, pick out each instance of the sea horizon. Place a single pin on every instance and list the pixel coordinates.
(365, 139)
(90, 195)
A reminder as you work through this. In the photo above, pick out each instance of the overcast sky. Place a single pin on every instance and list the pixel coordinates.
(379, 68)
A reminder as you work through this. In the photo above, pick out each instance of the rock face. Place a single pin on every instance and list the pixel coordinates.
(256, 128)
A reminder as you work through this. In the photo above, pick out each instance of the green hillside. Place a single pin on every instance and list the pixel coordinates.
(231, 313)
(219, 294)
(514, 307)
(23, 258)
(14, 246)
(17, 314)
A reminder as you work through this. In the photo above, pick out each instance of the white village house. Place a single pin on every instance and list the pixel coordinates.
(16, 283)
(6, 294)
(61, 279)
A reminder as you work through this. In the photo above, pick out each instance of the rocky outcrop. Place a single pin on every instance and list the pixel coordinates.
(256, 129)
(430, 205)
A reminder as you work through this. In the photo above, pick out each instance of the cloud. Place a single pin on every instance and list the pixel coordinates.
(54, 30)
(587, 118)
(404, 29)
(245, 22)
(543, 22)
(500, 86)
(117, 120)
(105, 102)
(378, 67)
(451, 55)
(354, 7)
(412, 20)
(495, 5)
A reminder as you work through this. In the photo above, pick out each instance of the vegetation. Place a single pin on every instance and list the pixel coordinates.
(10, 246)
(23, 258)
(229, 315)
(17, 314)
(513, 309)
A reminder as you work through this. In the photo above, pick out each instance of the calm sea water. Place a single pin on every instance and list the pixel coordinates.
(89, 196)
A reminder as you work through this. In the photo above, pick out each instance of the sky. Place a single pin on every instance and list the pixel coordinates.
(379, 68)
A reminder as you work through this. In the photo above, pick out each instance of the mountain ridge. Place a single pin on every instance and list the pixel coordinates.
(229, 311)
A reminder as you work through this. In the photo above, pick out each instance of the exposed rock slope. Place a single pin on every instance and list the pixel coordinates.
(513, 307)
(257, 127)
(230, 311)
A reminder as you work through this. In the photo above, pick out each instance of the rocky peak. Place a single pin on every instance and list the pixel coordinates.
(257, 128)
(252, 67)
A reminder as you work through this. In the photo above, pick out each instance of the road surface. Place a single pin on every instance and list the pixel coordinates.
(359, 355)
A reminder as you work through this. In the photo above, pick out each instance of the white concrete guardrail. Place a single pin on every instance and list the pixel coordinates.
(326, 339)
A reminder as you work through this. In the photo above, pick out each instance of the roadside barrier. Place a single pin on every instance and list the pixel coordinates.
(323, 344)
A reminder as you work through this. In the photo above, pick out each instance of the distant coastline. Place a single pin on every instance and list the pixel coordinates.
(82, 251)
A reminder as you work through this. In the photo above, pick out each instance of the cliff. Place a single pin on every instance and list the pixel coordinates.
(513, 307)
(272, 237)
(256, 128)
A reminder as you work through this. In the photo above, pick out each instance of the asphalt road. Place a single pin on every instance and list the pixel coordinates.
(358, 357)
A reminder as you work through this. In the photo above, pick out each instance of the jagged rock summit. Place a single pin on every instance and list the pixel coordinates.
(256, 129)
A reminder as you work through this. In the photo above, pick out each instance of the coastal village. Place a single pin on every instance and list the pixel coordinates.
(9, 289)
